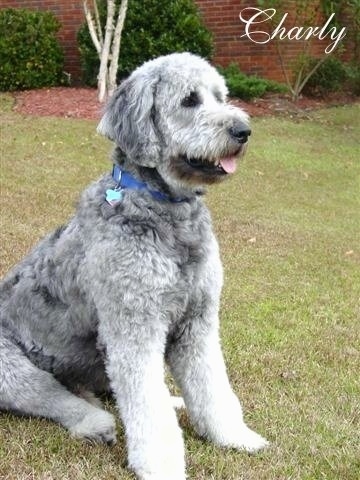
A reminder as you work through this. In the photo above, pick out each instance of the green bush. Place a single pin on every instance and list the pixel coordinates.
(333, 75)
(247, 87)
(329, 77)
(30, 54)
(353, 78)
(152, 28)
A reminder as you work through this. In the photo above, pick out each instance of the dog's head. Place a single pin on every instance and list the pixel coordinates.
(171, 114)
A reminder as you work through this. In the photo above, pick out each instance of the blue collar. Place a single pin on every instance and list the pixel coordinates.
(125, 180)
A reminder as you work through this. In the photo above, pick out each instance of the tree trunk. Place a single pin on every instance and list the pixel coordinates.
(93, 28)
(116, 47)
(108, 46)
(98, 23)
(105, 54)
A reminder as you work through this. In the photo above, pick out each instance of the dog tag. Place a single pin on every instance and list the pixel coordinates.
(113, 197)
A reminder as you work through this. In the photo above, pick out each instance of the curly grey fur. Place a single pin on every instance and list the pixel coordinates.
(99, 304)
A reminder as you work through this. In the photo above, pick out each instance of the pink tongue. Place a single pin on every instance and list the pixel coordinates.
(228, 164)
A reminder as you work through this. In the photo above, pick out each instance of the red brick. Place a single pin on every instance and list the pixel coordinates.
(222, 17)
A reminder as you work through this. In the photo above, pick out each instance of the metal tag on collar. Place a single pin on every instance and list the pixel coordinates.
(114, 196)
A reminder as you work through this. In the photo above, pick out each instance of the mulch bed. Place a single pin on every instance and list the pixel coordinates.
(83, 103)
(59, 102)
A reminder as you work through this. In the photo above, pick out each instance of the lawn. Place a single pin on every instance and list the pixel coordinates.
(288, 225)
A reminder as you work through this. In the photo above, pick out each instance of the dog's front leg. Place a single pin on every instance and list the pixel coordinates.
(197, 364)
(134, 342)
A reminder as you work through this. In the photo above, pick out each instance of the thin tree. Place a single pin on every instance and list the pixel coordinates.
(106, 44)
(305, 14)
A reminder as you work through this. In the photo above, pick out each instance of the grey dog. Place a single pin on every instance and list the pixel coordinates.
(134, 279)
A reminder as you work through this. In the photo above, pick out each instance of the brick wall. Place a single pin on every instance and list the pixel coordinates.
(70, 14)
(221, 16)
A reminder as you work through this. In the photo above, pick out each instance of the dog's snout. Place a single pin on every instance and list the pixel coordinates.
(240, 132)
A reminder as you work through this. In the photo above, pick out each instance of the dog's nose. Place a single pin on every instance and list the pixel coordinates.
(240, 133)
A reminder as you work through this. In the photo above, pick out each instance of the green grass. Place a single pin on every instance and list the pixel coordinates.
(289, 229)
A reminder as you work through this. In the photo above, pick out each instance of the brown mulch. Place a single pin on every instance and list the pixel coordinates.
(59, 102)
(83, 103)
(275, 104)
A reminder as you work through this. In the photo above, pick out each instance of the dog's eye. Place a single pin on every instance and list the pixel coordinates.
(192, 100)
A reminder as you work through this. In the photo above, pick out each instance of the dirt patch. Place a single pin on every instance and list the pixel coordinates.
(274, 104)
(59, 102)
(83, 103)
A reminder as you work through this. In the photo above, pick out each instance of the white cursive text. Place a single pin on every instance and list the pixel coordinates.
(294, 33)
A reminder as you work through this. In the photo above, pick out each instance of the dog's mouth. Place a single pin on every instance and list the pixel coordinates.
(201, 170)
(221, 166)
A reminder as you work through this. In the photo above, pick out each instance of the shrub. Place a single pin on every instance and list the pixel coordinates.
(332, 76)
(31, 56)
(329, 77)
(247, 87)
(353, 78)
(152, 28)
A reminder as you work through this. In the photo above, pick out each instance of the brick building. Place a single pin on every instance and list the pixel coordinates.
(222, 18)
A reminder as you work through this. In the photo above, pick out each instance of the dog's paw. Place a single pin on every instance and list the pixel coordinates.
(169, 465)
(159, 476)
(248, 440)
(97, 426)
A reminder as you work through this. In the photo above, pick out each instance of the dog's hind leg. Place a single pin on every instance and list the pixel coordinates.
(27, 390)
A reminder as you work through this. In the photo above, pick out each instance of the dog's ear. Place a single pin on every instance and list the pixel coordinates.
(128, 120)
